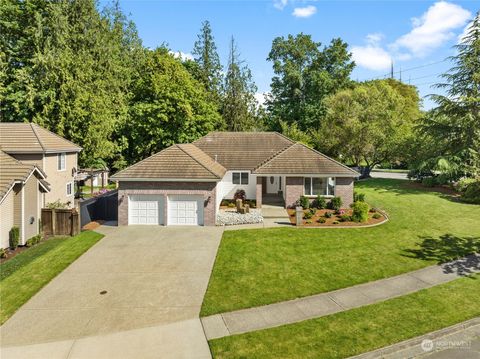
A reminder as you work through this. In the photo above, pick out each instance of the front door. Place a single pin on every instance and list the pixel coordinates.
(273, 184)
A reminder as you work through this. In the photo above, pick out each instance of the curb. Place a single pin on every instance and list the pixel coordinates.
(414, 344)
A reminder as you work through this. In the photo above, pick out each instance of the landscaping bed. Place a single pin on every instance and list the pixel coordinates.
(313, 217)
(227, 217)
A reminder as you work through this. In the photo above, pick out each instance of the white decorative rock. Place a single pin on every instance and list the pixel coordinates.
(231, 217)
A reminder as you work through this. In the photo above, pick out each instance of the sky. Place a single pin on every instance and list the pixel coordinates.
(417, 36)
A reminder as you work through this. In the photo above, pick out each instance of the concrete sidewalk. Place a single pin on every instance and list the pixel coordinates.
(268, 316)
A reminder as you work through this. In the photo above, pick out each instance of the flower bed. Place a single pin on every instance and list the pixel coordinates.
(232, 217)
(329, 218)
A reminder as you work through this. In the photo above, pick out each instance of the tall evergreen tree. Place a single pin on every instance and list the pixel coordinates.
(75, 76)
(454, 125)
(239, 105)
(206, 56)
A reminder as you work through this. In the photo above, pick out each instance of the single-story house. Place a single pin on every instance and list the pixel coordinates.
(185, 183)
(22, 188)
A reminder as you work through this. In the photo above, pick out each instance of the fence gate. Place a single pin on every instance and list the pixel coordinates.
(60, 222)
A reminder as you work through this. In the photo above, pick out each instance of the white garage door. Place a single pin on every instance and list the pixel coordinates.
(185, 210)
(145, 209)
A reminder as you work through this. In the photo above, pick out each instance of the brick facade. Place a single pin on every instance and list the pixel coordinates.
(344, 189)
(206, 189)
(293, 190)
(259, 192)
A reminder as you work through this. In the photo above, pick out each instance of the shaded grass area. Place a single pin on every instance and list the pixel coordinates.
(258, 267)
(360, 330)
(25, 274)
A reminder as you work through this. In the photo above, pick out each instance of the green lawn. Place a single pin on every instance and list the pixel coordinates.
(26, 273)
(257, 267)
(360, 330)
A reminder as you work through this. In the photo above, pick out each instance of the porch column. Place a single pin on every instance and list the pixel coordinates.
(259, 192)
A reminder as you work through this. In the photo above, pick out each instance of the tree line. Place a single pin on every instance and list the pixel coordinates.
(83, 73)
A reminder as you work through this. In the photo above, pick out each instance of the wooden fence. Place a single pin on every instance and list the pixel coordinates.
(64, 222)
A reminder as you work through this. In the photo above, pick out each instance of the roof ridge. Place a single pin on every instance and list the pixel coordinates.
(201, 164)
(146, 158)
(274, 155)
(329, 158)
(36, 135)
(53, 133)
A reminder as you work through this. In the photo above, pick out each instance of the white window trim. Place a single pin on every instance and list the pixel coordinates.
(311, 187)
(71, 188)
(240, 173)
(64, 154)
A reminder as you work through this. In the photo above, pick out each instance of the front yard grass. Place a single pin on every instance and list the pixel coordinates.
(25, 274)
(360, 330)
(258, 267)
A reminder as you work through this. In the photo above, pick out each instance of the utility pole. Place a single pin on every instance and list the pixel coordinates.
(391, 69)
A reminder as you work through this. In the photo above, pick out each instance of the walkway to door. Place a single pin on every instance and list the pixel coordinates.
(273, 206)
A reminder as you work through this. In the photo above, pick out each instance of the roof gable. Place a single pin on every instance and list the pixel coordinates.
(31, 138)
(300, 159)
(12, 171)
(182, 161)
(242, 150)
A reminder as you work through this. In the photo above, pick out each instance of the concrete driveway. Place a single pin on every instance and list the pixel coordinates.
(155, 279)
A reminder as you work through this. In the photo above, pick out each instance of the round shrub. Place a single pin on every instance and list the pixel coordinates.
(307, 214)
(360, 212)
(376, 215)
(304, 202)
(328, 214)
(335, 203)
(321, 220)
(461, 185)
(319, 202)
(472, 193)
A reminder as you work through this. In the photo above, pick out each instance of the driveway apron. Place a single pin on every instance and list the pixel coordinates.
(137, 293)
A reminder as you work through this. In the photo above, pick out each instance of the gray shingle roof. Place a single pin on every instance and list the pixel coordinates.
(181, 161)
(31, 138)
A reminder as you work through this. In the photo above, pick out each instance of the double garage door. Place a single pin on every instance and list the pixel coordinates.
(181, 209)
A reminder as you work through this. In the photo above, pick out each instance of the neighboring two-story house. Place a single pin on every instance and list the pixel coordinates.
(55, 156)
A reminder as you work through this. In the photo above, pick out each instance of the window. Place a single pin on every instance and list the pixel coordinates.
(323, 186)
(61, 160)
(240, 177)
(69, 188)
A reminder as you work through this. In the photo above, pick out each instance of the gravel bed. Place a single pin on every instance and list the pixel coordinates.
(231, 217)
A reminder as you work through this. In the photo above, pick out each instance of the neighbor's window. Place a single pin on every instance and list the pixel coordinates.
(61, 159)
(69, 188)
(240, 177)
(323, 186)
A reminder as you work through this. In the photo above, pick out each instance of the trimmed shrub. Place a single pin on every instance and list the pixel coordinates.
(376, 215)
(335, 203)
(345, 218)
(472, 193)
(304, 202)
(429, 182)
(319, 202)
(14, 237)
(240, 194)
(3, 253)
(34, 240)
(360, 212)
(328, 214)
(461, 185)
(358, 197)
(321, 220)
